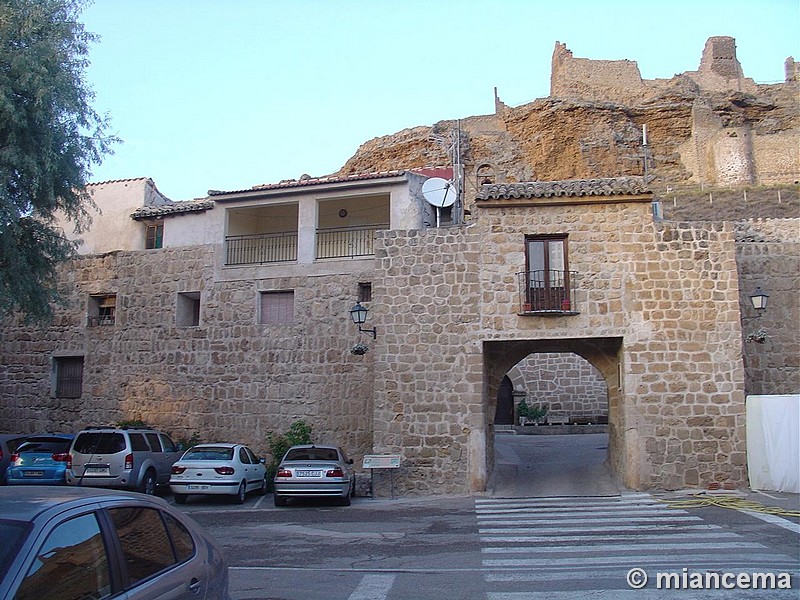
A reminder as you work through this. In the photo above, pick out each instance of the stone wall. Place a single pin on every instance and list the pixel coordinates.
(768, 256)
(229, 379)
(566, 384)
(669, 293)
(428, 367)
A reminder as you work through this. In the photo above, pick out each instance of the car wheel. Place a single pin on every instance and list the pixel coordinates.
(148, 483)
(262, 491)
(279, 500)
(180, 498)
(345, 501)
(240, 495)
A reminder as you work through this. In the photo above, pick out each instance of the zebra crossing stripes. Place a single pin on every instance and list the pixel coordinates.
(533, 546)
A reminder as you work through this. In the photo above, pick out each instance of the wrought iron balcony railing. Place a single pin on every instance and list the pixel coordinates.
(347, 242)
(547, 292)
(261, 248)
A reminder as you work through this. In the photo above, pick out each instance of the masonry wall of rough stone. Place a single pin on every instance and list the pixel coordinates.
(565, 383)
(230, 378)
(768, 256)
(669, 292)
(428, 368)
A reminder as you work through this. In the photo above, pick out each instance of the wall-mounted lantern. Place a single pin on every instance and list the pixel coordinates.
(759, 299)
(359, 315)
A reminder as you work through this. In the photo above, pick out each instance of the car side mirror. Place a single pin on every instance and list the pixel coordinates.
(350, 462)
(179, 447)
(263, 461)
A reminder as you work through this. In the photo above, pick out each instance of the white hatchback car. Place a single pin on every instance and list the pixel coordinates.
(227, 469)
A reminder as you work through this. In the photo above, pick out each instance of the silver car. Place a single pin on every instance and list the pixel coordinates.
(311, 471)
(63, 543)
(136, 458)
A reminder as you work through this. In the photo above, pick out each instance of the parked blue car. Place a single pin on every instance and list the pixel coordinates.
(40, 460)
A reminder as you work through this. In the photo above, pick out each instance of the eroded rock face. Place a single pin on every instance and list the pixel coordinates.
(711, 126)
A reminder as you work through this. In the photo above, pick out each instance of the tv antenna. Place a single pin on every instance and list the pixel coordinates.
(442, 193)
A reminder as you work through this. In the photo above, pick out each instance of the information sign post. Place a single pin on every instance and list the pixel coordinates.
(381, 461)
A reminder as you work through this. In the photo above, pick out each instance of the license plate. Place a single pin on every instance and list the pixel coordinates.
(198, 488)
(33, 474)
(96, 471)
(308, 473)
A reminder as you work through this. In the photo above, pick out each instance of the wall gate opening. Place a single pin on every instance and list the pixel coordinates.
(577, 381)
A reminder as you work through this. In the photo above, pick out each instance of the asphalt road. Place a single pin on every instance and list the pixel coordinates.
(522, 541)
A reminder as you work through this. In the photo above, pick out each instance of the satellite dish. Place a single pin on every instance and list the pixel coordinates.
(439, 192)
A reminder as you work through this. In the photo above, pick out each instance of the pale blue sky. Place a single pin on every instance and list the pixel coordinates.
(213, 94)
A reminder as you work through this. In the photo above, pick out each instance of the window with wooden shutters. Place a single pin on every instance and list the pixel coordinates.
(548, 277)
(68, 376)
(155, 235)
(277, 308)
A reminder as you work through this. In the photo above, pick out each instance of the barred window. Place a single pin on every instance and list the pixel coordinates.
(68, 376)
(277, 308)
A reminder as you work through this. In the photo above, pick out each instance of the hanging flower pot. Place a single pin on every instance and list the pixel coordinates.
(359, 349)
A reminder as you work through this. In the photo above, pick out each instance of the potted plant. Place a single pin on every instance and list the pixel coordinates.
(537, 413)
(522, 411)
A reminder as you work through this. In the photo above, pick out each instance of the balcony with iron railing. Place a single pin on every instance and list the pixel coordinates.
(347, 242)
(548, 293)
(260, 249)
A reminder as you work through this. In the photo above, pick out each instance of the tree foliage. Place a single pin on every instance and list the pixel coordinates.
(50, 136)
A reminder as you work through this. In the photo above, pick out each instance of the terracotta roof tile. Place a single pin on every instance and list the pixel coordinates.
(311, 181)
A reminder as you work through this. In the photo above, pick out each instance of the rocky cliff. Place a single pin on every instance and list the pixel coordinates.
(709, 127)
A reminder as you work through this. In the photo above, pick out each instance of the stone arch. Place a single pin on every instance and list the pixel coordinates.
(604, 354)
(485, 174)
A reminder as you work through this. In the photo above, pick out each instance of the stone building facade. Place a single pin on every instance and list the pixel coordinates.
(236, 323)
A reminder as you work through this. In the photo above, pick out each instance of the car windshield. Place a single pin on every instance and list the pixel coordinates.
(44, 445)
(100, 443)
(209, 453)
(13, 533)
(312, 454)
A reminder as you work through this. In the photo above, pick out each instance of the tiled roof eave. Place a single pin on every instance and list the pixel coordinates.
(296, 185)
(176, 208)
(566, 191)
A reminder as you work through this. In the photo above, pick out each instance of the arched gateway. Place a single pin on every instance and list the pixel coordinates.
(571, 266)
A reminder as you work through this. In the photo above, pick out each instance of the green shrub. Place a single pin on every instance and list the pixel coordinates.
(299, 433)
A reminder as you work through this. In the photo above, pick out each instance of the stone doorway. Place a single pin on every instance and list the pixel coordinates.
(504, 413)
(604, 355)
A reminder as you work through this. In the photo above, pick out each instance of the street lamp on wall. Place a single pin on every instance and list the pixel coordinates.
(359, 315)
(759, 299)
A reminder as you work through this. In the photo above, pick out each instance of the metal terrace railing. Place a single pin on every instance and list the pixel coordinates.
(548, 292)
(347, 242)
(261, 248)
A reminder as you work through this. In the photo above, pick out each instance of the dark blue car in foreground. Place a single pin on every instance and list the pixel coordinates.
(40, 460)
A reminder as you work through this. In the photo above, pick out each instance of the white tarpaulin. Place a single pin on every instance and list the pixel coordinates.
(773, 443)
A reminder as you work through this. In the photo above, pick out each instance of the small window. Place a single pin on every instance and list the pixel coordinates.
(244, 458)
(277, 308)
(181, 538)
(154, 237)
(365, 292)
(188, 309)
(167, 444)
(155, 445)
(138, 443)
(96, 442)
(68, 376)
(71, 561)
(146, 547)
(102, 310)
